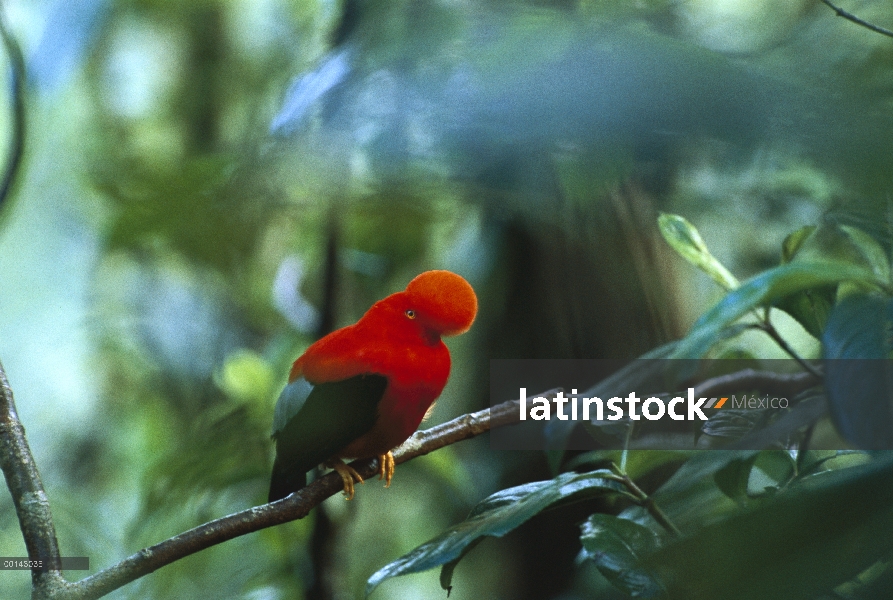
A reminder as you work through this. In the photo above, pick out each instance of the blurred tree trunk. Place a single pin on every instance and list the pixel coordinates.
(201, 92)
(590, 280)
(324, 538)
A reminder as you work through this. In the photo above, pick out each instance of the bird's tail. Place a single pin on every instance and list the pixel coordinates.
(285, 481)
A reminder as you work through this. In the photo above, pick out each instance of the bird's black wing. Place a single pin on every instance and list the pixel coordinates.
(313, 423)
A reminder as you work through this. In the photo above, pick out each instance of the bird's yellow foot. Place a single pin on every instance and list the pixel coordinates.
(386, 468)
(348, 476)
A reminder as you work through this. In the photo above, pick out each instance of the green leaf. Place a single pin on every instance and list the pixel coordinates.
(858, 373)
(643, 462)
(773, 470)
(839, 243)
(807, 410)
(495, 516)
(800, 543)
(842, 243)
(617, 547)
(810, 308)
(684, 238)
(874, 254)
(770, 285)
(792, 244)
(690, 498)
(732, 479)
(820, 458)
(732, 424)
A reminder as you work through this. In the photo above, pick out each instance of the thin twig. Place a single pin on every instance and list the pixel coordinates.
(851, 17)
(23, 481)
(651, 506)
(295, 506)
(770, 330)
(646, 501)
(17, 141)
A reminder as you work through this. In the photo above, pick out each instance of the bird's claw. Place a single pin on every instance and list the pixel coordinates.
(386, 467)
(348, 476)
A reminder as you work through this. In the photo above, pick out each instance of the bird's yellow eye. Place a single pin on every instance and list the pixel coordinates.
(410, 313)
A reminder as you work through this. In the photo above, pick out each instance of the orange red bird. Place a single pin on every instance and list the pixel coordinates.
(362, 390)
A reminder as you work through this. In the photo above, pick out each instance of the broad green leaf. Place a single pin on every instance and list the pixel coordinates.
(732, 479)
(736, 354)
(801, 543)
(871, 250)
(770, 285)
(690, 497)
(494, 517)
(843, 243)
(810, 308)
(641, 462)
(684, 238)
(792, 244)
(618, 547)
(858, 372)
(773, 469)
(815, 460)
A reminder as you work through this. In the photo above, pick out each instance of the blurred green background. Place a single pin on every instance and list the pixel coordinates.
(209, 185)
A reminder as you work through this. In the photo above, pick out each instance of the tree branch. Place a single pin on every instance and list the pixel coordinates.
(760, 380)
(23, 481)
(851, 17)
(295, 506)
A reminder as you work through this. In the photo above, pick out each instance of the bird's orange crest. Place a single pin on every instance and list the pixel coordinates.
(446, 300)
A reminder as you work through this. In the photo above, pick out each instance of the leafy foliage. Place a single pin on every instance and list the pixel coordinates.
(858, 373)
(618, 547)
(685, 239)
(777, 283)
(743, 516)
(494, 517)
(790, 545)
